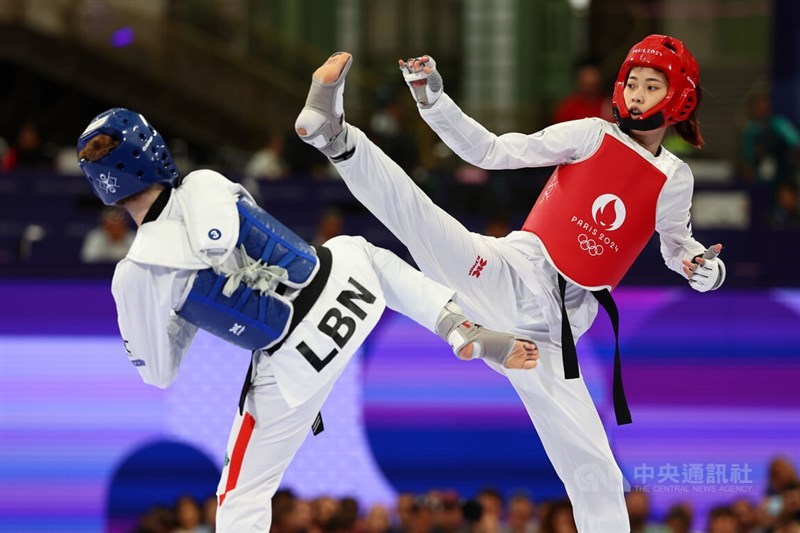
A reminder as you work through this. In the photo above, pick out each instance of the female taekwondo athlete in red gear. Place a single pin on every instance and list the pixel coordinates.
(614, 185)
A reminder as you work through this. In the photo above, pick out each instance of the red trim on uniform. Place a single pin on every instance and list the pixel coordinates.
(235, 466)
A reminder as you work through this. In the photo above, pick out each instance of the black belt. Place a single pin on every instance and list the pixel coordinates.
(302, 305)
(570, 355)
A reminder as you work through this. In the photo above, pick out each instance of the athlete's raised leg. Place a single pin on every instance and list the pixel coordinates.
(442, 247)
(407, 291)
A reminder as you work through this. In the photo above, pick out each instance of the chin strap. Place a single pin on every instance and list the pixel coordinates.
(640, 124)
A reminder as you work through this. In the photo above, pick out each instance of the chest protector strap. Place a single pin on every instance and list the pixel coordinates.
(251, 319)
(265, 238)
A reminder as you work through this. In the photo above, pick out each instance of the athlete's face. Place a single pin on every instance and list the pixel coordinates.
(644, 88)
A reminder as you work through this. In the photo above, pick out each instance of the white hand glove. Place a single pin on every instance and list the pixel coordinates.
(423, 80)
(709, 273)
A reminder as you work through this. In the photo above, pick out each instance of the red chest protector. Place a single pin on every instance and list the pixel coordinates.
(596, 216)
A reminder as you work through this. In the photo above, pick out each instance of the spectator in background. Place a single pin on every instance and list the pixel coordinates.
(27, 152)
(159, 519)
(323, 509)
(793, 526)
(302, 515)
(403, 510)
(331, 224)
(448, 517)
(283, 507)
(770, 143)
(679, 518)
(347, 514)
(210, 512)
(588, 99)
(521, 516)
(266, 163)
(747, 514)
(787, 209)
(769, 154)
(722, 520)
(782, 494)
(559, 519)
(377, 520)
(109, 242)
(389, 131)
(790, 511)
(781, 474)
(492, 505)
(639, 512)
(497, 226)
(421, 519)
(189, 517)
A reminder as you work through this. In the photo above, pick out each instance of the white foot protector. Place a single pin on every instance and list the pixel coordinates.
(321, 122)
(488, 344)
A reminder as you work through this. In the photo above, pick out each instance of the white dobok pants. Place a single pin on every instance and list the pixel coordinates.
(290, 386)
(515, 290)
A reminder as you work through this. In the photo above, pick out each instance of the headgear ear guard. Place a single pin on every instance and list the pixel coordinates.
(140, 160)
(671, 57)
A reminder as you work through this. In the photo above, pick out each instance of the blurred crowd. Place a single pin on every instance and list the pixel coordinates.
(759, 190)
(766, 166)
(447, 511)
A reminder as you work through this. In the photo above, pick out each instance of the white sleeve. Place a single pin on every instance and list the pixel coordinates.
(155, 337)
(561, 143)
(673, 220)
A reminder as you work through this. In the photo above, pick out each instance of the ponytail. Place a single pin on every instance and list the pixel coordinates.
(689, 129)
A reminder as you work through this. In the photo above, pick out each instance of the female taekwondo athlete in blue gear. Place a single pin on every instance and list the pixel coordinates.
(207, 257)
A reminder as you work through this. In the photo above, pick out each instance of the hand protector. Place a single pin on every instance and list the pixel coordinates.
(709, 275)
(425, 87)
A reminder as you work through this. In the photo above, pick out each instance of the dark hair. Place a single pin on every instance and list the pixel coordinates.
(689, 129)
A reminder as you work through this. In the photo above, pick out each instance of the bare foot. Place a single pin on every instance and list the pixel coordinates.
(330, 71)
(523, 356)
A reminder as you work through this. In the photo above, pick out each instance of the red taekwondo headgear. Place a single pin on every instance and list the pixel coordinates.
(671, 57)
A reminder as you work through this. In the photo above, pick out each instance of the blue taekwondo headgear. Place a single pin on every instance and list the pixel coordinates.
(141, 159)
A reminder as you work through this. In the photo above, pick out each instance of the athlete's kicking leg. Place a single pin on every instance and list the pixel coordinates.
(430, 304)
(442, 247)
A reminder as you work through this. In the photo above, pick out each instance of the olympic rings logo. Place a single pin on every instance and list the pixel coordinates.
(589, 245)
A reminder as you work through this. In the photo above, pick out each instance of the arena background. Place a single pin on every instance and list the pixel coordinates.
(86, 446)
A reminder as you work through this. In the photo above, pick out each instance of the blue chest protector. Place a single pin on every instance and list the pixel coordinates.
(243, 307)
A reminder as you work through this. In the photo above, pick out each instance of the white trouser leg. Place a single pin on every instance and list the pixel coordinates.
(442, 247)
(261, 445)
(573, 436)
(562, 410)
(406, 289)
